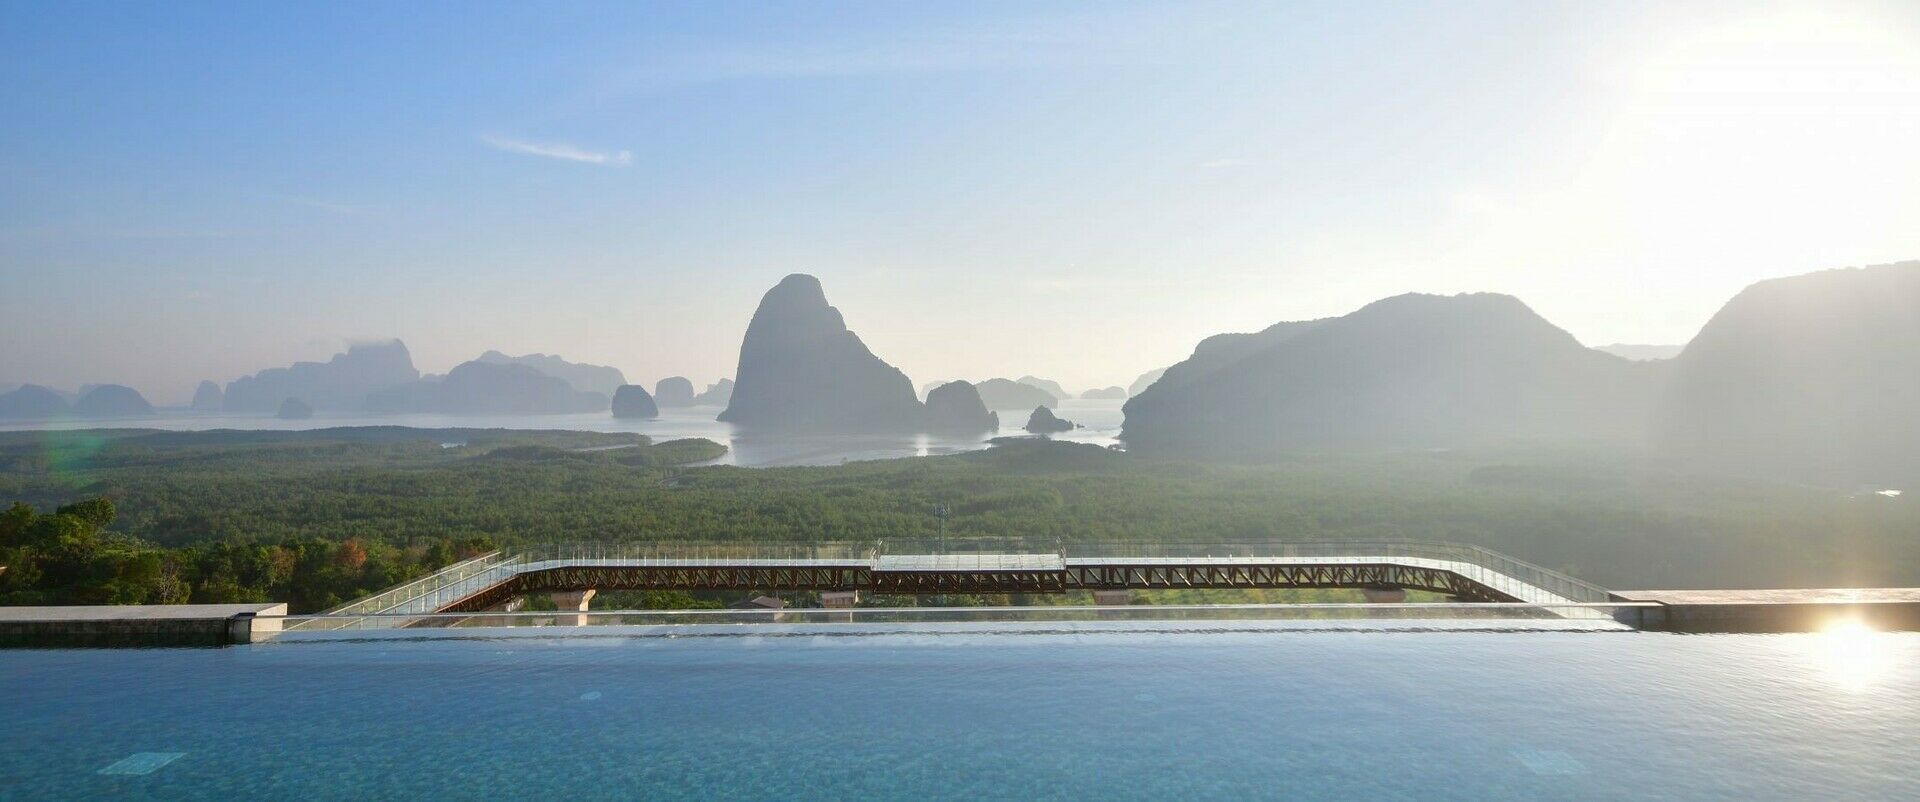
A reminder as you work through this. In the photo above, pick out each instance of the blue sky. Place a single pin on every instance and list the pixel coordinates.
(1079, 191)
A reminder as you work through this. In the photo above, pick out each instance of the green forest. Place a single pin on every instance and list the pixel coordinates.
(315, 518)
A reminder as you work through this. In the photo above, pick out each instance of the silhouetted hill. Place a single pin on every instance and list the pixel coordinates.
(956, 407)
(1008, 394)
(32, 401)
(717, 394)
(475, 388)
(342, 383)
(1043, 421)
(207, 397)
(1145, 380)
(673, 391)
(1413, 370)
(1114, 393)
(1815, 376)
(1641, 353)
(1051, 387)
(588, 378)
(802, 370)
(1221, 350)
(112, 401)
(632, 401)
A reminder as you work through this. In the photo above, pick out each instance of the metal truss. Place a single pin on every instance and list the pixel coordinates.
(1117, 575)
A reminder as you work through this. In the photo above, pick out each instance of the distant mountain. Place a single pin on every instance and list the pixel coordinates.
(1052, 388)
(956, 407)
(479, 388)
(293, 409)
(589, 378)
(1007, 394)
(673, 391)
(112, 401)
(1146, 380)
(1815, 377)
(1106, 394)
(632, 401)
(801, 369)
(717, 394)
(1641, 353)
(1043, 421)
(342, 383)
(1221, 350)
(1408, 371)
(30, 401)
(208, 397)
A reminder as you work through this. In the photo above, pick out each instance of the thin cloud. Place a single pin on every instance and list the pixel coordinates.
(1222, 164)
(560, 150)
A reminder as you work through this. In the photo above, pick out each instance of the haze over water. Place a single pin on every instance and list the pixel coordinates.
(1100, 421)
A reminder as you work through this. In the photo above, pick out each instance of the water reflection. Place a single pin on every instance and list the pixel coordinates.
(1100, 421)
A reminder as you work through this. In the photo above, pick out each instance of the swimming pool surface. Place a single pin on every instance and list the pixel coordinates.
(1083, 715)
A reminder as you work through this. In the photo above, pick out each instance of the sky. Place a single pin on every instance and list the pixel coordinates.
(1075, 191)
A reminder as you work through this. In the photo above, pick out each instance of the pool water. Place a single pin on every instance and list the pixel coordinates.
(1075, 715)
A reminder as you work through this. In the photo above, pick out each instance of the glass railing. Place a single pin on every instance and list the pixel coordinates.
(969, 545)
(385, 600)
(424, 595)
(673, 553)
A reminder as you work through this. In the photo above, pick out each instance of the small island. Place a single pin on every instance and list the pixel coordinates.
(632, 401)
(1043, 421)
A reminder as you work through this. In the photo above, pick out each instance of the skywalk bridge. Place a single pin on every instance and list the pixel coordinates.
(571, 573)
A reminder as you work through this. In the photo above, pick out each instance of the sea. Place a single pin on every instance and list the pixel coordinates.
(1099, 421)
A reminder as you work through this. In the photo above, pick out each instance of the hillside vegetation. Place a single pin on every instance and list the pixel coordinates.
(1616, 519)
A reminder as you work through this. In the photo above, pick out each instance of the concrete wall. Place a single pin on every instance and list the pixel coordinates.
(137, 625)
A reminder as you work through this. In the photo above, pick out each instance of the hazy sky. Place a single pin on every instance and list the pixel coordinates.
(1075, 191)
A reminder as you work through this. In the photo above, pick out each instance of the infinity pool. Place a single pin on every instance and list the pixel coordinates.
(1073, 715)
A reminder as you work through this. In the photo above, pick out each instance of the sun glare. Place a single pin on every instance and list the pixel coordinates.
(1848, 652)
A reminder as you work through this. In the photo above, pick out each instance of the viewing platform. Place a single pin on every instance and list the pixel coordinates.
(485, 590)
(1385, 570)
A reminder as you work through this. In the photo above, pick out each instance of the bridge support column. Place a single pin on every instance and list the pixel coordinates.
(839, 599)
(1385, 595)
(1113, 598)
(575, 600)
